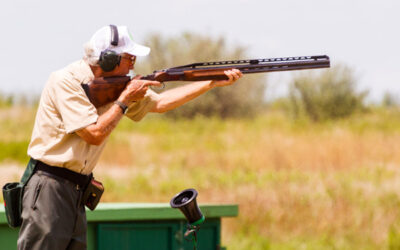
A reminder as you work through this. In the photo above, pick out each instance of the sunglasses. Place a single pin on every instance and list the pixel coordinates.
(129, 57)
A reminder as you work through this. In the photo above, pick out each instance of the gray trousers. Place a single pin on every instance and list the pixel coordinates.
(53, 216)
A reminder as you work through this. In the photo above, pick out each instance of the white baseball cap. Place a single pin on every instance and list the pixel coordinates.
(101, 40)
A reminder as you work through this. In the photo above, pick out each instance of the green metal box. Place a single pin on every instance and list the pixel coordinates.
(142, 226)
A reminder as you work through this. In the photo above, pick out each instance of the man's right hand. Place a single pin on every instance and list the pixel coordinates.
(97, 132)
(135, 90)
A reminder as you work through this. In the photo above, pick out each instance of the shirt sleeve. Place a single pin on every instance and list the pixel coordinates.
(72, 103)
(137, 110)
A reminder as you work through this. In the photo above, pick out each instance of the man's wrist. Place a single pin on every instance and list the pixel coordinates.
(211, 84)
(123, 106)
(122, 98)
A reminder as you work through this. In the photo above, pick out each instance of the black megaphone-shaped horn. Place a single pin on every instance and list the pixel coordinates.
(186, 202)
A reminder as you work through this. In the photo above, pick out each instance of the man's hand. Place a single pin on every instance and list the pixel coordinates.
(96, 133)
(233, 76)
(135, 90)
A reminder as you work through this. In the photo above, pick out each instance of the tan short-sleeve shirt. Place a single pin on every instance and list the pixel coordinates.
(63, 109)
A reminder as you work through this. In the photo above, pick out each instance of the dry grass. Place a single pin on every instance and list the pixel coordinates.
(334, 185)
(299, 185)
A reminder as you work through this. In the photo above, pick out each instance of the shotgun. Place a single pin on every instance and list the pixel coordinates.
(104, 90)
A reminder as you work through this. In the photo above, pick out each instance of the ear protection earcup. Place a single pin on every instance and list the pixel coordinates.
(108, 60)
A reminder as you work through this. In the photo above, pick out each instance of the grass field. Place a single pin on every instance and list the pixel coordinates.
(299, 185)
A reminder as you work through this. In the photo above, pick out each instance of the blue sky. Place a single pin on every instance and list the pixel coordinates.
(42, 36)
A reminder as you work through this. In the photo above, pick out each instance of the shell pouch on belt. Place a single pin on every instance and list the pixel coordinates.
(13, 193)
(92, 193)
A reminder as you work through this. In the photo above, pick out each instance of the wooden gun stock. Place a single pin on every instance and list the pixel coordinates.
(105, 90)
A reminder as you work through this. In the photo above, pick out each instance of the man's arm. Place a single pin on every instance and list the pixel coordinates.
(176, 97)
(97, 132)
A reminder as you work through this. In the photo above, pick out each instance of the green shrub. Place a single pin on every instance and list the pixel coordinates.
(328, 95)
(14, 151)
(6, 101)
(394, 238)
(390, 100)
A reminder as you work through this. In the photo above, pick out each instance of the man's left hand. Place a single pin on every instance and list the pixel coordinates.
(233, 76)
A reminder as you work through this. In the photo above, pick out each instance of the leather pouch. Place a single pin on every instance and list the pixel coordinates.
(92, 194)
(12, 202)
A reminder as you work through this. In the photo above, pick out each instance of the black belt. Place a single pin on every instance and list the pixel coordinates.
(79, 179)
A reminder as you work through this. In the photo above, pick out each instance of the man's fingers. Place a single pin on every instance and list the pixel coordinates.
(140, 84)
(238, 72)
(233, 74)
(228, 73)
(152, 83)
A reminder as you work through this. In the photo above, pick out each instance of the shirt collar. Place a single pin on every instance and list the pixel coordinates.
(82, 72)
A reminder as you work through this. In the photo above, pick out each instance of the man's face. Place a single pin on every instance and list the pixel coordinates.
(128, 60)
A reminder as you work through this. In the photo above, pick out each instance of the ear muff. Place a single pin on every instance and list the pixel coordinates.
(109, 59)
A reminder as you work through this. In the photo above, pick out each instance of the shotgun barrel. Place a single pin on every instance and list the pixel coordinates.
(215, 70)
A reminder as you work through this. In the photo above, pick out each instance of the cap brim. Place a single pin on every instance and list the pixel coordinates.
(138, 50)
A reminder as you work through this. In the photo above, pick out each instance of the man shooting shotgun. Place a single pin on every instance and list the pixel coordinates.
(70, 133)
(80, 106)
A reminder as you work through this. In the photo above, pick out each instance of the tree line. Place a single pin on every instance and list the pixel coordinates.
(321, 95)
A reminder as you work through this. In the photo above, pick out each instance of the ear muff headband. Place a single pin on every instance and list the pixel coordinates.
(109, 59)
(114, 35)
